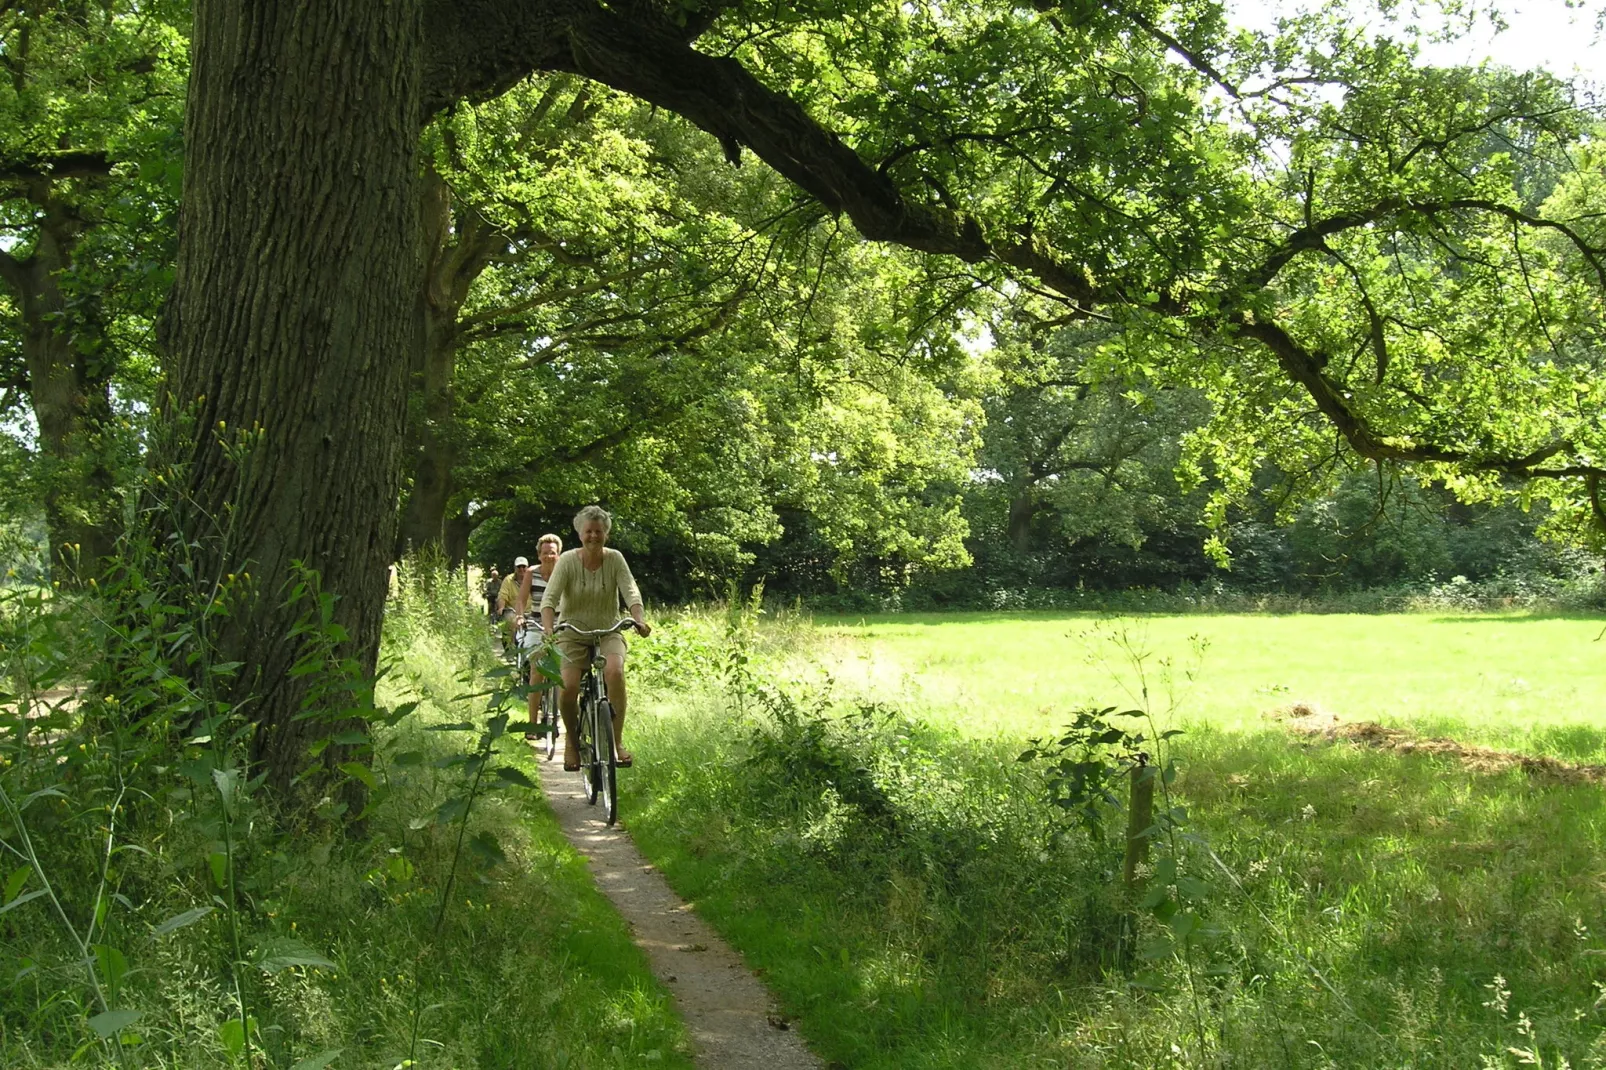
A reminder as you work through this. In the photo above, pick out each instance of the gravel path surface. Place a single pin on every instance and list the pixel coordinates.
(730, 1016)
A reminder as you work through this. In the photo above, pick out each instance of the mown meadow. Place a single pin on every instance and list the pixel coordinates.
(844, 799)
(1524, 681)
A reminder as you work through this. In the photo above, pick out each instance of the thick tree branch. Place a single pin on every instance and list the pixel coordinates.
(14, 272)
(1187, 55)
(1314, 235)
(548, 297)
(81, 164)
(650, 58)
(1306, 368)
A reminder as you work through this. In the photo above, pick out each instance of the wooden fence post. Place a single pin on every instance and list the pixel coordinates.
(1139, 817)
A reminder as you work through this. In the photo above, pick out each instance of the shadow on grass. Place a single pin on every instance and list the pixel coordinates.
(1404, 865)
(1516, 616)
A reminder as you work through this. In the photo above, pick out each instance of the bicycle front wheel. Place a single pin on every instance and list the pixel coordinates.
(588, 752)
(607, 784)
(550, 718)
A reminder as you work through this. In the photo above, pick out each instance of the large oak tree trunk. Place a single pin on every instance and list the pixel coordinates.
(458, 528)
(295, 309)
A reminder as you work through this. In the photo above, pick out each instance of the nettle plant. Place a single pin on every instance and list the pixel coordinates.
(1111, 763)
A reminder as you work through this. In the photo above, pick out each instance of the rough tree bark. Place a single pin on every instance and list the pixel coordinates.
(1022, 511)
(458, 528)
(295, 309)
(69, 386)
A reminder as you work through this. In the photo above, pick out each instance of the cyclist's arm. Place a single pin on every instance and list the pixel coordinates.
(552, 597)
(632, 596)
(524, 591)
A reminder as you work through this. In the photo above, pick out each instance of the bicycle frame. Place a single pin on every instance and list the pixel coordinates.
(594, 735)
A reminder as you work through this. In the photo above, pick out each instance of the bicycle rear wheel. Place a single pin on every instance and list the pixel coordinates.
(606, 767)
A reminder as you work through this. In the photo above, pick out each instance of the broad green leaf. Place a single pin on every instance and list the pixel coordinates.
(228, 786)
(112, 963)
(485, 845)
(283, 954)
(515, 776)
(359, 771)
(109, 1022)
(451, 810)
(218, 863)
(179, 921)
(232, 1035)
(26, 897)
(14, 883)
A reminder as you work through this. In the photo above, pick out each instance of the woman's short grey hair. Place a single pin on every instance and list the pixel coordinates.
(590, 513)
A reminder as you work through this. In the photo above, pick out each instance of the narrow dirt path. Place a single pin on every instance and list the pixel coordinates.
(729, 1014)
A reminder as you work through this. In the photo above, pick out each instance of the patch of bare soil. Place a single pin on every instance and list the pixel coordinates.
(1311, 722)
(733, 1022)
(46, 708)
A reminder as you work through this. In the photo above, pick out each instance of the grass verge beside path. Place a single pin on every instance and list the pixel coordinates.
(535, 968)
(339, 940)
(912, 898)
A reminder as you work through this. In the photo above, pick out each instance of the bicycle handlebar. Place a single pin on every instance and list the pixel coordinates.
(598, 633)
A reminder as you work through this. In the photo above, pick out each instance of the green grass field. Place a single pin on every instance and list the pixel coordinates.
(1529, 683)
(916, 902)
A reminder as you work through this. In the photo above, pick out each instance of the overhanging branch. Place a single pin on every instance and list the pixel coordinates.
(1305, 368)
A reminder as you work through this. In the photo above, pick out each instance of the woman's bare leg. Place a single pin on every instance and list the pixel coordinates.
(613, 674)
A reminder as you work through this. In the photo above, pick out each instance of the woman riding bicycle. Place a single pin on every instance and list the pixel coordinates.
(586, 587)
(536, 577)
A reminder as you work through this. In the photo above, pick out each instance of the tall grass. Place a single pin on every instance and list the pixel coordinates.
(916, 903)
(298, 944)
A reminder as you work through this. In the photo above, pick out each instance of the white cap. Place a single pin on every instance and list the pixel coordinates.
(517, 561)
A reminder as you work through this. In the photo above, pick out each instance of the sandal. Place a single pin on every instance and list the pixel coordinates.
(624, 759)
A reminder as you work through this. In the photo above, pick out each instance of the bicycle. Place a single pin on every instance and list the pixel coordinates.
(594, 726)
(527, 641)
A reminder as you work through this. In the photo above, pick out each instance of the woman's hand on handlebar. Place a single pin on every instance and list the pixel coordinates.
(643, 629)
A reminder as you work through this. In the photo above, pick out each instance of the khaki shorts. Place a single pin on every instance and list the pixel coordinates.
(576, 651)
